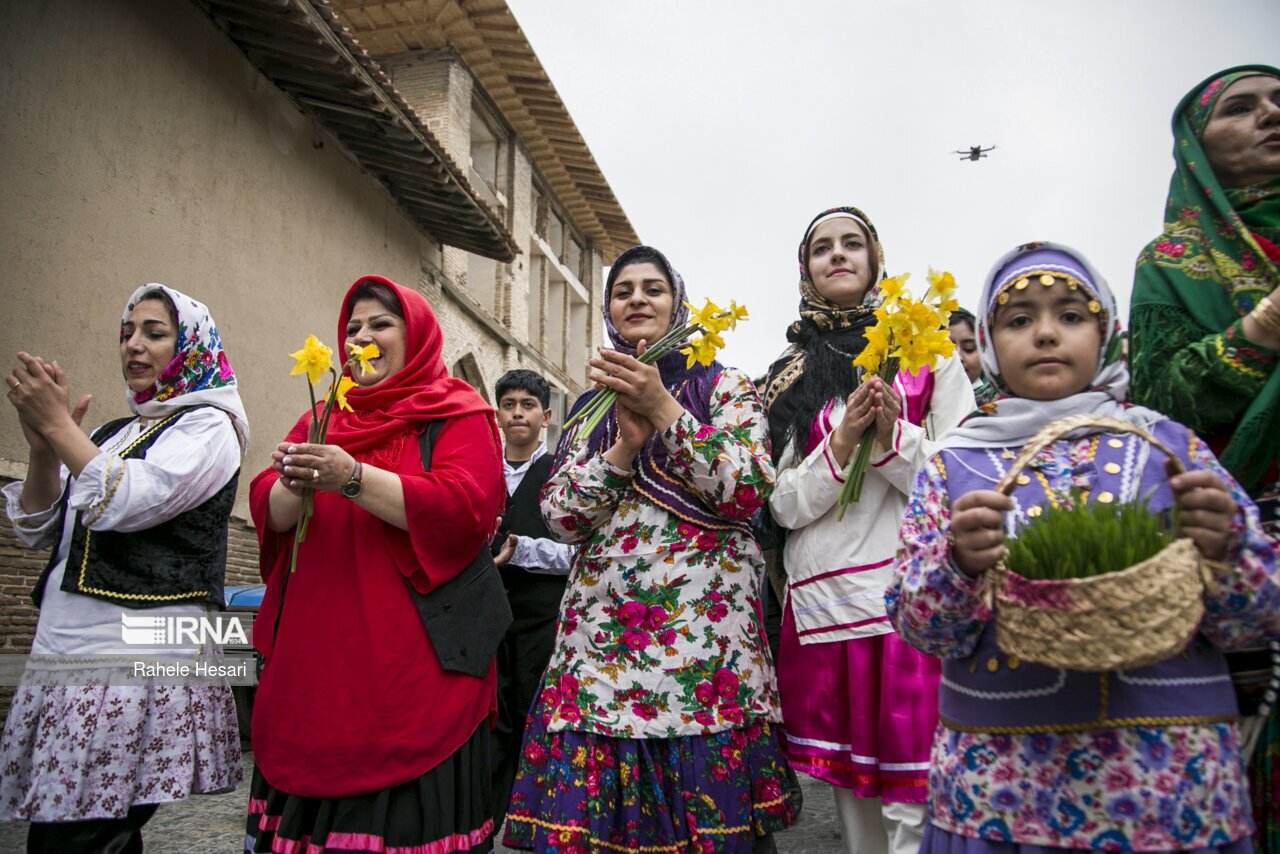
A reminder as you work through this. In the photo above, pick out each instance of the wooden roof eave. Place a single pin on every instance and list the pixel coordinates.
(305, 50)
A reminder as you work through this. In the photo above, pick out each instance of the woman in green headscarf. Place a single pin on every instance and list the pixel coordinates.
(1205, 326)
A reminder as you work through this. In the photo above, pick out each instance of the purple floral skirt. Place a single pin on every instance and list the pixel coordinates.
(938, 841)
(579, 792)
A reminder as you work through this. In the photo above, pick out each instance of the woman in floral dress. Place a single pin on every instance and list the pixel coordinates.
(654, 729)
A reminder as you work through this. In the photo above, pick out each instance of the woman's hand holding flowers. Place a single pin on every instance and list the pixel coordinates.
(644, 405)
(873, 401)
(312, 466)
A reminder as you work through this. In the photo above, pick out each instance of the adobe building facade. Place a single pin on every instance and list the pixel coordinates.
(259, 158)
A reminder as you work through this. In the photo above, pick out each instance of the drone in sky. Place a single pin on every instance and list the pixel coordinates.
(974, 152)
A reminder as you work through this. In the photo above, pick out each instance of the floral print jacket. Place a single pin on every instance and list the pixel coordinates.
(1152, 788)
(661, 631)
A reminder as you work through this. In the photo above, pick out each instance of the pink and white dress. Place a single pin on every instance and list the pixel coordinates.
(859, 705)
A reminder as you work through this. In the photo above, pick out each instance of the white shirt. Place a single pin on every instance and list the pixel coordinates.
(837, 571)
(189, 462)
(536, 554)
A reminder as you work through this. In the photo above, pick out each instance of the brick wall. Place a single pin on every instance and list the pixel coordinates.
(19, 569)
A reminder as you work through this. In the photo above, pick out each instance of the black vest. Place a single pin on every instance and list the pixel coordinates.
(523, 516)
(180, 561)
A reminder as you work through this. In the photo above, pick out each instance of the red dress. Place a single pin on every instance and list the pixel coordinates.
(352, 697)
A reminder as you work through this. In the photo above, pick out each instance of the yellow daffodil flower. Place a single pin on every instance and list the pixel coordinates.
(362, 355)
(892, 288)
(313, 359)
(737, 312)
(942, 285)
(701, 350)
(345, 384)
(709, 317)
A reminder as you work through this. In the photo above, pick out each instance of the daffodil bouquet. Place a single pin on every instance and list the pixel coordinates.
(908, 334)
(313, 360)
(707, 323)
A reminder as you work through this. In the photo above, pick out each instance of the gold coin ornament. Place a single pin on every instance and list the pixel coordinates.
(1112, 468)
(1003, 298)
(1033, 512)
(1023, 480)
(1094, 306)
(1021, 283)
(1047, 280)
(1115, 443)
(1106, 497)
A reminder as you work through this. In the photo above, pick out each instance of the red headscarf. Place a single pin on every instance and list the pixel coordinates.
(420, 391)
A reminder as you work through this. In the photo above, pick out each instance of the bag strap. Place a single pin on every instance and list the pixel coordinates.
(426, 439)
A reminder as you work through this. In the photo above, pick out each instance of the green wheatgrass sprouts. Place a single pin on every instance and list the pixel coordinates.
(1079, 540)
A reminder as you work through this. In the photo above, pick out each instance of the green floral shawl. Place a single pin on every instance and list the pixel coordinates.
(1192, 287)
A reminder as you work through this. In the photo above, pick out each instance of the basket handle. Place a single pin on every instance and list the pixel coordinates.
(1055, 430)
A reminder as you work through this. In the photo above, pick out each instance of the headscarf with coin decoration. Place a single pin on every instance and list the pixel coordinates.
(1010, 421)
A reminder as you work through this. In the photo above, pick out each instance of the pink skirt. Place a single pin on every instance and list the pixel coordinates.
(859, 714)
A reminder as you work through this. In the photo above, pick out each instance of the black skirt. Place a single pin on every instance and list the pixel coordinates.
(446, 809)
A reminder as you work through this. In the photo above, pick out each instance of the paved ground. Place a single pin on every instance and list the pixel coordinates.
(215, 824)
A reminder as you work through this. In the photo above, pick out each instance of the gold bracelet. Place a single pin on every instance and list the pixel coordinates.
(1267, 316)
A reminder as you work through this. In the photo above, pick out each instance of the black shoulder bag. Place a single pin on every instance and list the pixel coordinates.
(467, 616)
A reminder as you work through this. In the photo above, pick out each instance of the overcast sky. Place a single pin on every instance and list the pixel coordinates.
(724, 127)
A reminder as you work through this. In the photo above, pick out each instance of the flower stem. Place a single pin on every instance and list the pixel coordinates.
(856, 472)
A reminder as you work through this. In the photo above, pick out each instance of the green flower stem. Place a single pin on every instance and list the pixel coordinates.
(856, 471)
(316, 432)
(585, 420)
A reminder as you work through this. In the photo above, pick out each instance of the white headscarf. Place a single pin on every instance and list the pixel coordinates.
(198, 373)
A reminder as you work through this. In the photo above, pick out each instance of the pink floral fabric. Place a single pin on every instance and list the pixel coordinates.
(660, 631)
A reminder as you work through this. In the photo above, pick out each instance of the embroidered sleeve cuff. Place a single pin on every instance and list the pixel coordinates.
(894, 445)
(1238, 352)
(26, 523)
(959, 578)
(96, 486)
(613, 477)
(837, 471)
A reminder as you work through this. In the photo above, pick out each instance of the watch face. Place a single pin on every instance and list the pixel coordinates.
(351, 488)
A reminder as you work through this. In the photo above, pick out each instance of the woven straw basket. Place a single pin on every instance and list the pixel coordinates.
(1116, 621)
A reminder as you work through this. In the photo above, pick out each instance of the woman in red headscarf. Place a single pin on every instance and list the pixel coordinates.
(363, 741)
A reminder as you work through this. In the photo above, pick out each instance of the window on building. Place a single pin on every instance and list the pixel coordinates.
(467, 369)
(555, 236)
(576, 357)
(557, 293)
(488, 161)
(537, 271)
(482, 280)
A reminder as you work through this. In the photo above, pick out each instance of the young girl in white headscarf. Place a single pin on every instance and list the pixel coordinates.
(1040, 758)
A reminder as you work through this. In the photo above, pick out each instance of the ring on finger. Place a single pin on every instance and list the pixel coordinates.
(315, 474)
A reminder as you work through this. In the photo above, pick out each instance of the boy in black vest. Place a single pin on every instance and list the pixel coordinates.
(534, 568)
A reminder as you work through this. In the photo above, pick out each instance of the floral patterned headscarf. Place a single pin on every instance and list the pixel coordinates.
(198, 373)
(1012, 421)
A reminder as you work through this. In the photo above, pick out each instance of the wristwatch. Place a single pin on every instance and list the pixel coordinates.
(353, 486)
